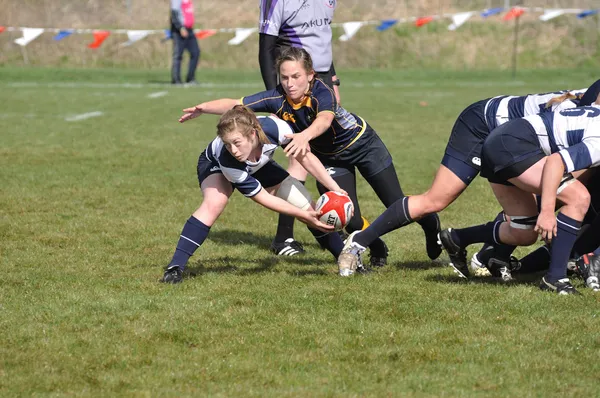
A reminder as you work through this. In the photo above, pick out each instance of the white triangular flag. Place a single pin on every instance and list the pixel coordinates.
(135, 35)
(350, 29)
(459, 19)
(241, 34)
(549, 14)
(29, 34)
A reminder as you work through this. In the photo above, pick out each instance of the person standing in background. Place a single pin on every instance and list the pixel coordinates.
(182, 33)
(295, 23)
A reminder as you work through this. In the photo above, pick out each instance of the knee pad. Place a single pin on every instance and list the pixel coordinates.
(523, 222)
(292, 191)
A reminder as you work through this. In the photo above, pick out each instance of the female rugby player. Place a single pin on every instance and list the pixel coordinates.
(459, 166)
(341, 140)
(241, 158)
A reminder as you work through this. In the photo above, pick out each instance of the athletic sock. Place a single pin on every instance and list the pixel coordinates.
(285, 226)
(588, 238)
(537, 260)
(193, 235)
(567, 229)
(488, 233)
(394, 217)
(331, 241)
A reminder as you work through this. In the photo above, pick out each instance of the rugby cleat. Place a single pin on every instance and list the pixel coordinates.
(458, 255)
(172, 275)
(588, 267)
(561, 287)
(431, 240)
(349, 259)
(289, 247)
(477, 268)
(379, 261)
(503, 269)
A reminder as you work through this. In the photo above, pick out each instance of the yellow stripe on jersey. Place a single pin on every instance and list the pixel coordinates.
(260, 100)
(362, 130)
(306, 101)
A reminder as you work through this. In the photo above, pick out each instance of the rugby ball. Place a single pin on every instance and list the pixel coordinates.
(336, 209)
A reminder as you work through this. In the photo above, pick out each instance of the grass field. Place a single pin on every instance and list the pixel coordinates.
(91, 208)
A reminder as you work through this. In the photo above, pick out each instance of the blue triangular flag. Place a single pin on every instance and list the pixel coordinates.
(492, 11)
(587, 13)
(62, 34)
(168, 34)
(386, 24)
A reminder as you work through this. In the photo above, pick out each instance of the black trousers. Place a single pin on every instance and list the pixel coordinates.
(180, 44)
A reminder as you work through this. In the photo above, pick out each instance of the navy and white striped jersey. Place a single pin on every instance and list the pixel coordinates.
(501, 109)
(240, 173)
(573, 133)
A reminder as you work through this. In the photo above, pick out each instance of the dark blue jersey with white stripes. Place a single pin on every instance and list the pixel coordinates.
(501, 109)
(573, 133)
(240, 173)
(343, 132)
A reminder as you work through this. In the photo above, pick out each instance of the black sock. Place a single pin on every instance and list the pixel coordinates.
(285, 226)
(392, 218)
(329, 241)
(567, 229)
(536, 261)
(488, 233)
(588, 239)
(193, 235)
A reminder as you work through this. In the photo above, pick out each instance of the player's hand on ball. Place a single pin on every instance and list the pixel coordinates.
(546, 226)
(191, 113)
(311, 218)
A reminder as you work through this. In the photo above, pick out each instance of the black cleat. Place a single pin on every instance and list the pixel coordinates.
(173, 275)
(562, 287)
(381, 260)
(289, 247)
(503, 269)
(458, 255)
(431, 240)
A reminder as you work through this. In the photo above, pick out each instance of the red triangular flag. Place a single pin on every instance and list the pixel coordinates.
(99, 37)
(514, 13)
(423, 21)
(2, 28)
(203, 34)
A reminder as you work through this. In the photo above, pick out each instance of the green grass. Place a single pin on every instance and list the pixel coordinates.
(90, 213)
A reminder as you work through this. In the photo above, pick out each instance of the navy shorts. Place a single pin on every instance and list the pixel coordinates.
(270, 175)
(509, 151)
(463, 152)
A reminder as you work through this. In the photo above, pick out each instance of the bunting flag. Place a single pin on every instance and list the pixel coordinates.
(2, 28)
(514, 13)
(135, 35)
(386, 24)
(29, 34)
(459, 19)
(491, 11)
(587, 13)
(350, 29)
(62, 34)
(241, 34)
(203, 34)
(423, 21)
(551, 14)
(99, 37)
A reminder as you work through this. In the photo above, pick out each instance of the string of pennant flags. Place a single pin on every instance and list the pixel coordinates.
(350, 28)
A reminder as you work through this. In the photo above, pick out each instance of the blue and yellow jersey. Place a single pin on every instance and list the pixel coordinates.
(345, 129)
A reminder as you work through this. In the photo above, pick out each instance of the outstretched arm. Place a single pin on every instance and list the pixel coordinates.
(216, 107)
(308, 217)
(300, 141)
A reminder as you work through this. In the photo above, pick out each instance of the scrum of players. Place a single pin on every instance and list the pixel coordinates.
(538, 153)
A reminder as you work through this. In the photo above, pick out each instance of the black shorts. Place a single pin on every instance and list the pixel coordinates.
(368, 154)
(466, 141)
(327, 77)
(270, 175)
(509, 151)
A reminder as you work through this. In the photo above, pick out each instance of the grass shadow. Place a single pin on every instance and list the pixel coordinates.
(232, 237)
(489, 280)
(418, 265)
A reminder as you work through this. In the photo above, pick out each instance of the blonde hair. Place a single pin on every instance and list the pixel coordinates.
(561, 98)
(299, 55)
(243, 120)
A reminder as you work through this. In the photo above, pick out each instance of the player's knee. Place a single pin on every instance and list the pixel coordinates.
(433, 203)
(577, 197)
(294, 192)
